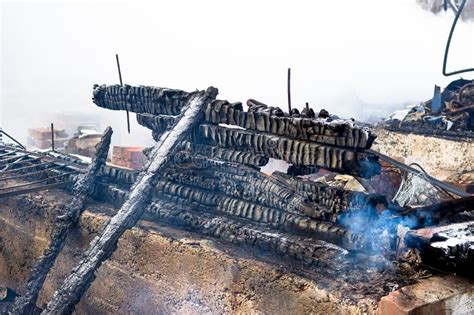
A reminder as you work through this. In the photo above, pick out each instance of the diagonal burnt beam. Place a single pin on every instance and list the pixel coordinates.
(70, 292)
(82, 189)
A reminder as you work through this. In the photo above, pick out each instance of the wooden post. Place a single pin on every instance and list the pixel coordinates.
(121, 84)
(289, 92)
(52, 137)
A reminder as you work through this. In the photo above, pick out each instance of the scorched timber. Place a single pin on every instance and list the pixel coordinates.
(82, 189)
(101, 248)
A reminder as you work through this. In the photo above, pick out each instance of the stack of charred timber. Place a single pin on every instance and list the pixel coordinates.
(338, 145)
(216, 172)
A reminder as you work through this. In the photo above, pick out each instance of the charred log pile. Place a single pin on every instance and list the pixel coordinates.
(216, 171)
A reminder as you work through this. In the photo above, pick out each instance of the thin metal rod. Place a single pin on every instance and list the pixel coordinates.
(431, 179)
(12, 158)
(27, 167)
(33, 189)
(52, 137)
(32, 173)
(448, 43)
(13, 139)
(8, 153)
(22, 161)
(38, 181)
(121, 84)
(289, 90)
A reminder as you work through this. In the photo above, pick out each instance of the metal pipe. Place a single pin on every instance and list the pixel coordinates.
(13, 139)
(448, 43)
(121, 84)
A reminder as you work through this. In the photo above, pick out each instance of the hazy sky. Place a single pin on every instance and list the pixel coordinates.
(343, 54)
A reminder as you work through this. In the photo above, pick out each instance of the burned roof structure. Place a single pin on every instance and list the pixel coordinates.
(204, 174)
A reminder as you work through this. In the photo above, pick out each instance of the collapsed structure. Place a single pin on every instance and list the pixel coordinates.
(203, 174)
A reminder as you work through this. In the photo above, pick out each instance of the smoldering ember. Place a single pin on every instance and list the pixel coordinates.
(241, 207)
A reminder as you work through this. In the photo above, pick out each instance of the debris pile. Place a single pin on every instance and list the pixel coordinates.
(448, 113)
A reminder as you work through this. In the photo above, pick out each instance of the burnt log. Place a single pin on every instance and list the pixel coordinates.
(141, 99)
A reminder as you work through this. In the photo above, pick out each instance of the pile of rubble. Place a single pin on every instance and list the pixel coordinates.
(448, 113)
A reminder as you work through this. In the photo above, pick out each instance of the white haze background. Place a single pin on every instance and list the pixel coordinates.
(358, 59)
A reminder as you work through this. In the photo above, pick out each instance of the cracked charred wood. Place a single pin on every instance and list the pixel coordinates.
(157, 123)
(335, 199)
(102, 247)
(250, 185)
(297, 152)
(141, 99)
(342, 133)
(228, 155)
(119, 175)
(448, 247)
(235, 207)
(115, 194)
(309, 251)
(302, 170)
(82, 189)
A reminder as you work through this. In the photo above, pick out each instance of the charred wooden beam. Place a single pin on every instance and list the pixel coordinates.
(260, 117)
(336, 200)
(224, 154)
(157, 123)
(101, 248)
(141, 99)
(305, 250)
(296, 152)
(82, 189)
(433, 214)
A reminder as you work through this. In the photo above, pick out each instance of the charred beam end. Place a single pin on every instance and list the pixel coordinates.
(101, 248)
(157, 123)
(141, 99)
(83, 188)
